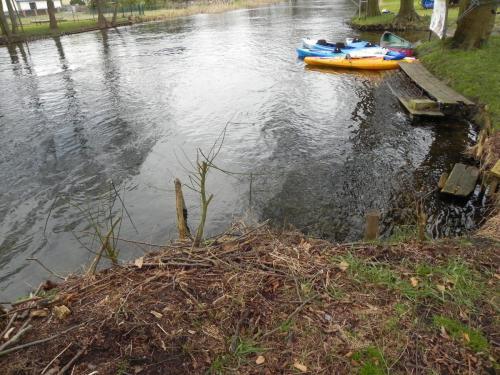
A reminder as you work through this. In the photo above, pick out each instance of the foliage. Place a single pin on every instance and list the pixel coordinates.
(475, 73)
(77, 2)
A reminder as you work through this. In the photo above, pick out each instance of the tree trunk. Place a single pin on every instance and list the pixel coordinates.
(101, 20)
(407, 13)
(12, 15)
(4, 25)
(115, 11)
(371, 9)
(51, 10)
(474, 29)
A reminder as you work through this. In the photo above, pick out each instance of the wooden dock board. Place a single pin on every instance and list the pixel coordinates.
(435, 88)
(416, 112)
(462, 180)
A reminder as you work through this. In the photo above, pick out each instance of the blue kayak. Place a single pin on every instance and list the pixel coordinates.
(354, 53)
(352, 48)
(306, 52)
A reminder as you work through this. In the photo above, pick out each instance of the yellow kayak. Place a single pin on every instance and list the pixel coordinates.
(369, 63)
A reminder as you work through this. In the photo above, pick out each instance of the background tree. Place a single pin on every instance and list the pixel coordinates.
(4, 25)
(407, 13)
(474, 24)
(51, 10)
(12, 16)
(101, 20)
(370, 8)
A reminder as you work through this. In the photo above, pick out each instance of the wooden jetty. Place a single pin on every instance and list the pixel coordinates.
(440, 99)
(462, 180)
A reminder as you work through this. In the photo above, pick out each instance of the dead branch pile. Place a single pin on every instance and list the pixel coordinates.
(251, 302)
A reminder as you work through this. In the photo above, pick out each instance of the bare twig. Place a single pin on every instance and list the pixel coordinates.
(7, 327)
(70, 363)
(37, 342)
(234, 340)
(295, 312)
(16, 337)
(46, 268)
(57, 356)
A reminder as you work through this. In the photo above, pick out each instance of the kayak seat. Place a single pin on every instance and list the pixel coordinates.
(340, 45)
(323, 42)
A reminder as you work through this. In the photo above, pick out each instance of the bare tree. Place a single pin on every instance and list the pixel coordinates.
(4, 25)
(101, 20)
(407, 13)
(12, 16)
(51, 10)
(371, 8)
(475, 23)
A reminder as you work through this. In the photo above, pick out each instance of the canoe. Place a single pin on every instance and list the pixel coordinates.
(396, 43)
(369, 63)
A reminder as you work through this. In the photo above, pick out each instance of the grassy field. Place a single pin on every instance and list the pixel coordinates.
(473, 73)
(80, 22)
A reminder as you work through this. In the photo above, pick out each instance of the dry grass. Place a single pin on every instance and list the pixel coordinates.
(295, 304)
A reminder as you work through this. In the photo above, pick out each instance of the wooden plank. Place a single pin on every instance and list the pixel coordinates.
(462, 180)
(495, 171)
(433, 86)
(418, 112)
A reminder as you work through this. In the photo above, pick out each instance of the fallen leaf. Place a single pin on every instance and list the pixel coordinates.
(466, 336)
(139, 262)
(61, 312)
(39, 313)
(343, 265)
(443, 333)
(156, 314)
(497, 276)
(441, 288)
(260, 360)
(414, 281)
(300, 367)
(191, 332)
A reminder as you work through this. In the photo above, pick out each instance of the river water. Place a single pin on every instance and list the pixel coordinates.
(314, 149)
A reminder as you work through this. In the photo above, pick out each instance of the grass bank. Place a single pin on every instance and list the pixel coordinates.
(34, 31)
(385, 21)
(474, 73)
(257, 301)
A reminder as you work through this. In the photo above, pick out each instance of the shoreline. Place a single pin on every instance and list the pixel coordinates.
(258, 300)
(169, 14)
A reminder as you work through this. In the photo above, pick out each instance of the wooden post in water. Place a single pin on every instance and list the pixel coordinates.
(372, 225)
(181, 211)
(421, 222)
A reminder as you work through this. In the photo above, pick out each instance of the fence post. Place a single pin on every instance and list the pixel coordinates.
(181, 211)
(372, 225)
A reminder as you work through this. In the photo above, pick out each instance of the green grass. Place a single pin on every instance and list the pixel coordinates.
(454, 282)
(244, 349)
(64, 27)
(372, 361)
(474, 73)
(458, 331)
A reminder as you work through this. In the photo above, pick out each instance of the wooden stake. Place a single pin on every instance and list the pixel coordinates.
(372, 225)
(180, 206)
